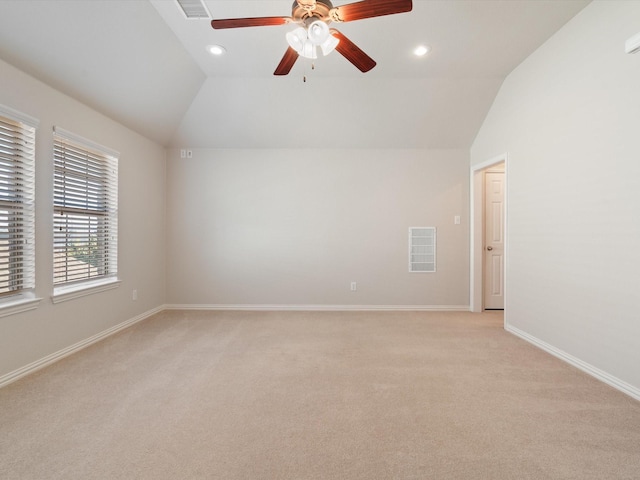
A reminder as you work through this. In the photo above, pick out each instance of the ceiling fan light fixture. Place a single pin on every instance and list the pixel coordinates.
(297, 39)
(309, 50)
(318, 32)
(329, 45)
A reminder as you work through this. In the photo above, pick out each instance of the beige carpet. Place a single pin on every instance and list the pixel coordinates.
(237, 395)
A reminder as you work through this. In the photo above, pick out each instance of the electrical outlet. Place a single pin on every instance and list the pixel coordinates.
(354, 286)
(456, 220)
(183, 153)
(189, 153)
(134, 295)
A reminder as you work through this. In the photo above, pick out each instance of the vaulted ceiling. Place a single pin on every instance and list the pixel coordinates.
(142, 63)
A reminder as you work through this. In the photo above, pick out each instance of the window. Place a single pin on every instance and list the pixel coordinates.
(85, 211)
(422, 249)
(17, 153)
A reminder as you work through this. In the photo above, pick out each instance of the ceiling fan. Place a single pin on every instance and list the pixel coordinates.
(313, 18)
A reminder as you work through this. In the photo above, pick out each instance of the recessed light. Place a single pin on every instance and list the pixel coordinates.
(216, 49)
(421, 51)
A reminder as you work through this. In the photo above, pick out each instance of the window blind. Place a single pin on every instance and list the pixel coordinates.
(17, 152)
(85, 199)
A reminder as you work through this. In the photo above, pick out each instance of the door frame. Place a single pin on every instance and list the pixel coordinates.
(476, 254)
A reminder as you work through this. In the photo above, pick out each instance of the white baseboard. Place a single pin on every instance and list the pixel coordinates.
(323, 308)
(65, 352)
(601, 375)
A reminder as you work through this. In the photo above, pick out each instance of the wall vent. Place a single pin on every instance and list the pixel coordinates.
(422, 249)
(194, 8)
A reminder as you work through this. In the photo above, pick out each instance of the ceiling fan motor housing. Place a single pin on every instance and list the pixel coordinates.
(308, 11)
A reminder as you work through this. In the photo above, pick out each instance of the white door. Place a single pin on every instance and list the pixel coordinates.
(494, 241)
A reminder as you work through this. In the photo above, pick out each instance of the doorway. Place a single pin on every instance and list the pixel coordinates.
(493, 251)
(488, 234)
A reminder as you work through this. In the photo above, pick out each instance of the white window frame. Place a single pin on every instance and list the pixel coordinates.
(18, 166)
(100, 197)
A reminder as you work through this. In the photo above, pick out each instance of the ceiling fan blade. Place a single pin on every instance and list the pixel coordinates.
(353, 53)
(369, 9)
(287, 62)
(249, 22)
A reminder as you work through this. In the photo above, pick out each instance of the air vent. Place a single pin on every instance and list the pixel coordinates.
(194, 9)
(422, 249)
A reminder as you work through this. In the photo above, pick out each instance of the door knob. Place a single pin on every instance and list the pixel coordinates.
(489, 248)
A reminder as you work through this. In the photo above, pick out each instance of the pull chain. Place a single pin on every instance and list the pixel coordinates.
(313, 67)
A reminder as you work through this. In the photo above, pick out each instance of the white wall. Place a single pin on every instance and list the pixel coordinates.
(569, 118)
(295, 227)
(31, 336)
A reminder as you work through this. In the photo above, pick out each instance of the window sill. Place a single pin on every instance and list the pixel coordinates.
(19, 305)
(63, 294)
